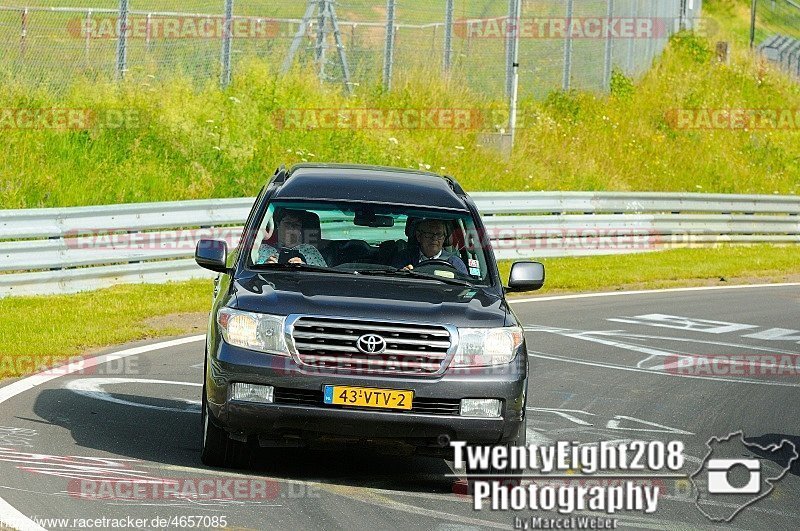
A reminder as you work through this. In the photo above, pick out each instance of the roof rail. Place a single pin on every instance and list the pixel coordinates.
(280, 175)
(454, 185)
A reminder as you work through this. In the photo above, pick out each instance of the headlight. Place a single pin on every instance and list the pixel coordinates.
(484, 347)
(254, 331)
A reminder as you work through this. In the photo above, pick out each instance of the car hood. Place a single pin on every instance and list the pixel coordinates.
(369, 298)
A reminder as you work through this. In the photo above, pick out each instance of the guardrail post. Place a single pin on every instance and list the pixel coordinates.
(388, 56)
(567, 81)
(607, 65)
(448, 35)
(122, 40)
(225, 75)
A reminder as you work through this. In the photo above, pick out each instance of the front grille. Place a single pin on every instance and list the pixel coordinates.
(329, 344)
(420, 406)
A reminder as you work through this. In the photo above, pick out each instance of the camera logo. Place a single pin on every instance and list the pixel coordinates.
(719, 483)
(738, 472)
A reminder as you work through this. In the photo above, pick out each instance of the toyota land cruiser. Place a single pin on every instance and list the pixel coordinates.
(331, 319)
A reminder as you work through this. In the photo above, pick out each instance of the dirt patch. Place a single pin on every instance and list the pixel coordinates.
(181, 322)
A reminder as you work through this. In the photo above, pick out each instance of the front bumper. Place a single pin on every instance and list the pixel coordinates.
(311, 420)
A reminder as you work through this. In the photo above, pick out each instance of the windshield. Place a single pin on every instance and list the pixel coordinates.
(370, 239)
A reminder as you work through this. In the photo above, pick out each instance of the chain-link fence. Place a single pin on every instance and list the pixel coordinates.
(563, 44)
(775, 32)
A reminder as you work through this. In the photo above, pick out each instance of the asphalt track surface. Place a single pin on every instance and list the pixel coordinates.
(599, 371)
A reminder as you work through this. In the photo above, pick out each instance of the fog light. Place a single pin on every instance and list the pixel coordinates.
(480, 407)
(252, 393)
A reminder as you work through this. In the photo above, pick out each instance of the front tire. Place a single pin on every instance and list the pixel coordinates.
(218, 449)
(215, 442)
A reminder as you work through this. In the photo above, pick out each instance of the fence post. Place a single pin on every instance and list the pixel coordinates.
(652, 14)
(322, 37)
(609, 51)
(149, 31)
(513, 18)
(632, 42)
(753, 12)
(681, 16)
(88, 38)
(122, 40)
(225, 76)
(23, 38)
(514, 97)
(448, 35)
(568, 47)
(388, 56)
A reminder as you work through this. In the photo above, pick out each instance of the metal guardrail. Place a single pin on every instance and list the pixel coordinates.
(65, 250)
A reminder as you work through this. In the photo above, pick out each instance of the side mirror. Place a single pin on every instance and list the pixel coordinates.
(526, 276)
(212, 255)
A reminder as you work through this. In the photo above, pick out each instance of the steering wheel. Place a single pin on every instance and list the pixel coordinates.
(437, 262)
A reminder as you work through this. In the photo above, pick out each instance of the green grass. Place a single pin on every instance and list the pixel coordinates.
(673, 268)
(190, 144)
(47, 328)
(37, 330)
(730, 20)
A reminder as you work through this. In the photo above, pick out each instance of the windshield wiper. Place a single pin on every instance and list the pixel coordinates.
(407, 273)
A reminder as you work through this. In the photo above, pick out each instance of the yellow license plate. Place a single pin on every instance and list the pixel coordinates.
(367, 397)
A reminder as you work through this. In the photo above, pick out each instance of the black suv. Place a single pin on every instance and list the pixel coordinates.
(362, 303)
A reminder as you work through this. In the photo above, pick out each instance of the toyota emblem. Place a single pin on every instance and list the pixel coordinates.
(371, 344)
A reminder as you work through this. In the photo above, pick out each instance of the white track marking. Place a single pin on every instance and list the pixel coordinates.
(545, 356)
(614, 424)
(26, 384)
(590, 335)
(776, 334)
(648, 292)
(10, 515)
(684, 339)
(18, 520)
(564, 413)
(93, 388)
(684, 323)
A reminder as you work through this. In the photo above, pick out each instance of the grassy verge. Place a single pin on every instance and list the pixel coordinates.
(43, 329)
(173, 141)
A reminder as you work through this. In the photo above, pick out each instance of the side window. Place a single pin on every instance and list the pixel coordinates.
(263, 231)
(249, 224)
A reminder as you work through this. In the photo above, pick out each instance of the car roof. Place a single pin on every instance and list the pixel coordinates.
(371, 184)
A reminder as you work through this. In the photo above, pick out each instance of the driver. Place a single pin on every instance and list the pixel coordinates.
(290, 245)
(430, 235)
